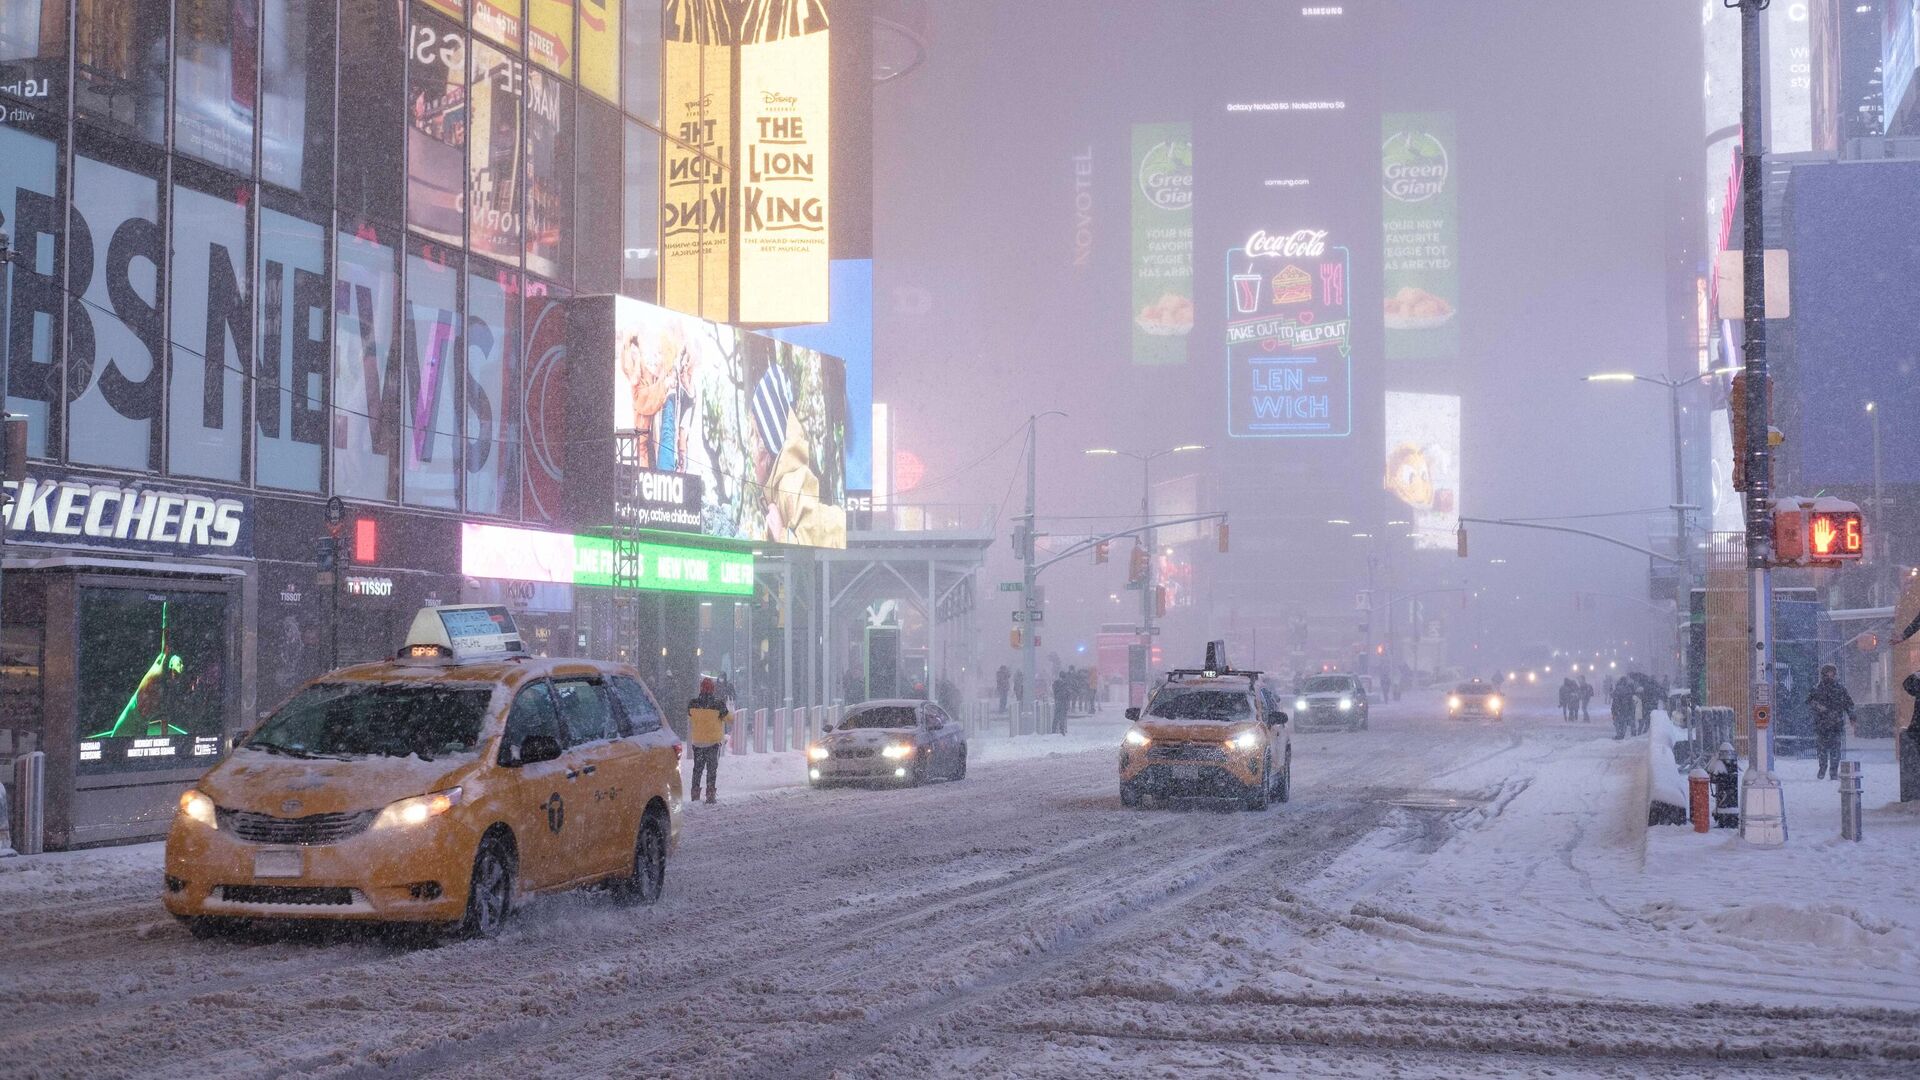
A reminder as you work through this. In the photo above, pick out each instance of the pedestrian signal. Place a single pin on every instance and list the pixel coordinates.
(1100, 552)
(1460, 540)
(1818, 532)
(1223, 538)
(1013, 638)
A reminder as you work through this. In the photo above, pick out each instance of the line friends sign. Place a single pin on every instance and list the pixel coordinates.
(1289, 337)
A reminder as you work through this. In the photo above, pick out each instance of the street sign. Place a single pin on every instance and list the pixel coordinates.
(1013, 586)
(1030, 616)
(336, 516)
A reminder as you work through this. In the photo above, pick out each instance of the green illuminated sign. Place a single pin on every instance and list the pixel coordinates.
(666, 568)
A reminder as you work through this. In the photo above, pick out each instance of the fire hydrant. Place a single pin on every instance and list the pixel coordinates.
(1698, 800)
(1850, 786)
(1726, 788)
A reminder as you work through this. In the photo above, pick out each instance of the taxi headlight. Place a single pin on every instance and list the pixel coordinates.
(818, 753)
(1494, 703)
(1346, 704)
(897, 750)
(418, 810)
(1248, 739)
(198, 807)
(1135, 737)
(1453, 703)
(1300, 704)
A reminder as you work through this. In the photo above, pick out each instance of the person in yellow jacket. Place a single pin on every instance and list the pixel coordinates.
(708, 721)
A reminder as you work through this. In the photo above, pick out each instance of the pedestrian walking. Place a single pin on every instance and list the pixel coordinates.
(1002, 682)
(1586, 698)
(1832, 713)
(1062, 701)
(708, 719)
(1569, 699)
(1623, 705)
(1020, 689)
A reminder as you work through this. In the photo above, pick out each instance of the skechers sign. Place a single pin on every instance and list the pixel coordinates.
(67, 511)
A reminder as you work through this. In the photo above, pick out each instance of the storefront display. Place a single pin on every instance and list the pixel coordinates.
(153, 678)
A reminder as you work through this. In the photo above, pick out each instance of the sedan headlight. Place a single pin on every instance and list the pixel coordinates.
(1453, 703)
(418, 810)
(1249, 739)
(1135, 737)
(1346, 704)
(817, 752)
(1299, 704)
(198, 807)
(1494, 703)
(897, 750)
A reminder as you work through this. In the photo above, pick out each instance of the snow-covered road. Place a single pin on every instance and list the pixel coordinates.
(1018, 923)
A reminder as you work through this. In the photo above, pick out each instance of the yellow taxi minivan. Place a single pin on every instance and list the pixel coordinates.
(1210, 732)
(440, 787)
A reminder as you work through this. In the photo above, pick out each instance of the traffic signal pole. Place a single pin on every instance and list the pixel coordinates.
(1027, 575)
(1763, 812)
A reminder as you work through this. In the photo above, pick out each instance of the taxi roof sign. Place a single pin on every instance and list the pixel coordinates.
(462, 632)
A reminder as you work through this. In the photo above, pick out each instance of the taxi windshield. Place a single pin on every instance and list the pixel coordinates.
(1328, 684)
(1218, 705)
(885, 716)
(350, 720)
(1474, 688)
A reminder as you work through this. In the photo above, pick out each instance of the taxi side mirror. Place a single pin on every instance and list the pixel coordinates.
(1275, 719)
(1133, 713)
(533, 750)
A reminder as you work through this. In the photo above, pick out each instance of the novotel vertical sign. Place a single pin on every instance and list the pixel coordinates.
(1289, 336)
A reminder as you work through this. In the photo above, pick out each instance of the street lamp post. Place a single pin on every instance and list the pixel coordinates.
(1682, 590)
(1146, 513)
(1883, 588)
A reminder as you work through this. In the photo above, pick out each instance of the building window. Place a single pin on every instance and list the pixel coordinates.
(496, 82)
(115, 262)
(549, 176)
(215, 64)
(598, 194)
(366, 382)
(640, 82)
(290, 401)
(436, 129)
(211, 342)
(29, 164)
(545, 419)
(492, 425)
(640, 257)
(373, 52)
(120, 67)
(550, 35)
(296, 96)
(430, 366)
(33, 53)
(600, 48)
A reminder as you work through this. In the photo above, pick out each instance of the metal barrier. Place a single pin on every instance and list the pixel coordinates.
(737, 734)
(759, 731)
(6, 825)
(30, 797)
(780, 730)
(1850, 817)
(816, 719)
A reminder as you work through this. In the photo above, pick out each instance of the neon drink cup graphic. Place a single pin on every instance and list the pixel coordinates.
(1246, 293)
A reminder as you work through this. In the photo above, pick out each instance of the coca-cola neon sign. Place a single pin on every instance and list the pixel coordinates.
(1299, 244)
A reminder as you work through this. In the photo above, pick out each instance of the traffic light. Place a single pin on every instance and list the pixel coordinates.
(1137, 565)
(1817, 532)
(1460, 540)
(1100, 552)
(1013, 637)
(1159, 601)
(1737, 422)
(1223, 538)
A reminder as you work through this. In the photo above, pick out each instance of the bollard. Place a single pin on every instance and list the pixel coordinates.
(736, 733)
(759, 731)
(1726, 788)
(30, 787)
(780, 731)
(1850, 786)
(1699, 802)
(6, 825)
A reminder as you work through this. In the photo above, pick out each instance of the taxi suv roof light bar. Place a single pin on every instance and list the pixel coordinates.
(1177, 673)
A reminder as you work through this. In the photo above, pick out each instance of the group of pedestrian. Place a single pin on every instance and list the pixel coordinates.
(1078, 686)
(1633, 700)
(1007, 681)
(1575, 697)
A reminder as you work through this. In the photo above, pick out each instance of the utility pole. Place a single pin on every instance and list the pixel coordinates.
(1027, 540)
(1147, 594)
(1763, 811)
(1683, 584)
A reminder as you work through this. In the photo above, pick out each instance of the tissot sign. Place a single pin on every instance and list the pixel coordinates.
(163, 518)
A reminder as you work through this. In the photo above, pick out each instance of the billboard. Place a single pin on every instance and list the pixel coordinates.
(1421, 232)
(848, 334)
(1423, 463)
(1162, 242)
(744, 220)
(1289, 337)
(1899, 50)
(1856, 247)
(503, 552)
(761, 423)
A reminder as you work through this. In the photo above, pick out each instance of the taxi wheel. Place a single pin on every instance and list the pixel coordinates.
(490, 896)
(206, 928)
(648, 878)
(1286, 779)
(960, 772)
(1262, 793)
(1128, 796)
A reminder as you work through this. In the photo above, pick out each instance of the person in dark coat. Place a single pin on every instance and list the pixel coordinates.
(1624, 707)
(1002, 682)
(1586, 696)
(1832, 712)
(1062, 701)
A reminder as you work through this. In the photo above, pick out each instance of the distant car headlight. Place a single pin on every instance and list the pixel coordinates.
(818, 753)
(897, 750)
(1248, 739)
(418, 810)
(1299, 704)
(1453, 703)
(1135, 737)
(1346, 704)
(198, 807)
(1494, 703)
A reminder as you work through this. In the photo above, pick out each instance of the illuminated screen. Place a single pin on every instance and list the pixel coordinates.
(761, 422)
(849, 336)
(512, 554)
(1423, 463)
(1289, 336)
(152, 679)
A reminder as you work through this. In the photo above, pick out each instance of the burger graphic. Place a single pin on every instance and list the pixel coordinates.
(1292, 286)
(1409, 478)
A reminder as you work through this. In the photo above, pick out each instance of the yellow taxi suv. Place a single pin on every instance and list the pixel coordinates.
(1209, 732)
(441, 787)
(1475, 699)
